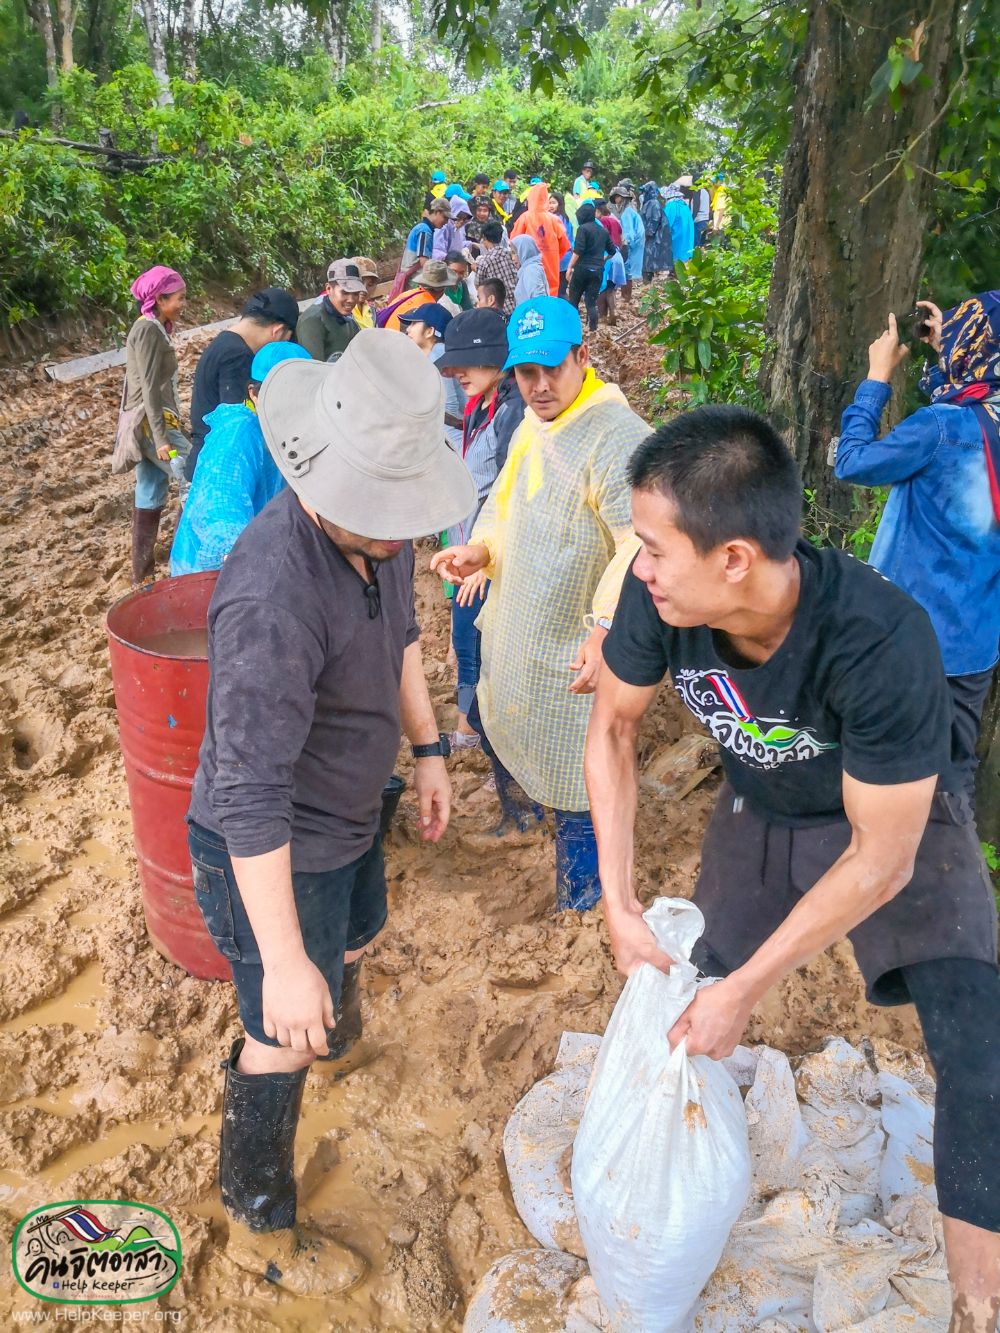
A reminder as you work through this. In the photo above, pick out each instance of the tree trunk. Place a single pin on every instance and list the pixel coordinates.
(157, 54)
(988, 778)
(67, 12)
(376, 27)
(845, 260)
(41, 17)
(189, 46)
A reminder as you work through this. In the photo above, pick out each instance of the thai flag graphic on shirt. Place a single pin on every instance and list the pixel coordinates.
(760, 742)
(730, 695)
(84, 1225)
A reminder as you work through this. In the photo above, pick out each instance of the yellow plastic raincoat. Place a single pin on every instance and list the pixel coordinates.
(558, 528)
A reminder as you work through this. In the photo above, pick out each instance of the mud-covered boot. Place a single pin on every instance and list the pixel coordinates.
(145, 526)
(260, 1114)
(348, 1013)
(578, 884)
(519, 815)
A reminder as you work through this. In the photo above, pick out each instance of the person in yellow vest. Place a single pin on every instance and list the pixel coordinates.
(366, 308)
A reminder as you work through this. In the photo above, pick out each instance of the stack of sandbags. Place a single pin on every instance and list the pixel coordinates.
(840, 1231)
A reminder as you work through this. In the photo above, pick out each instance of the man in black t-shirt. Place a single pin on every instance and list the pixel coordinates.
(223, 368)
(822, 683)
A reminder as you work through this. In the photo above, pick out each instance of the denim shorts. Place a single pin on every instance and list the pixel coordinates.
(338, 910)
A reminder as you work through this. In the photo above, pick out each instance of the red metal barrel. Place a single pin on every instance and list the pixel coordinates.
(156, 637)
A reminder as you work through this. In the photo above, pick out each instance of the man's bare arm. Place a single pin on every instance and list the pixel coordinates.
(613, 789)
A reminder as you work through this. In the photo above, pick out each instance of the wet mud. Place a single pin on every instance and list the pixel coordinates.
(109, 1056)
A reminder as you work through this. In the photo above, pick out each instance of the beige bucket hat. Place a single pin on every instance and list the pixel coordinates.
(362, 441)
(436, 275)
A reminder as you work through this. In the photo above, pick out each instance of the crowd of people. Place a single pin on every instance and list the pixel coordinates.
(586, 558)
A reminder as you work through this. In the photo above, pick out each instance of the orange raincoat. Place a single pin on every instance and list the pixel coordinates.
(546, 230)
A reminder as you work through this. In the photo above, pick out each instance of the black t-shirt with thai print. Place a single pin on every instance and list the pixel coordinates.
(857, 686)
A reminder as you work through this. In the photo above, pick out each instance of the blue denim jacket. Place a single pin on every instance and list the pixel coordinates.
(937, 539)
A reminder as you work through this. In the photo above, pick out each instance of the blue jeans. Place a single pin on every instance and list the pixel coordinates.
(578, 884)
(467, 642)
(152, 474)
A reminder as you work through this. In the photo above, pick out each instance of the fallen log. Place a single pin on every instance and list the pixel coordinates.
(80, 367)
(117, 154)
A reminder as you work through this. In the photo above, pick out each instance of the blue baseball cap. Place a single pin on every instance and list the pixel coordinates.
(437, 177)
(271, 353)
(456, 191)
(541, 332)
(429, 313)
(499, 185)
(536, 180)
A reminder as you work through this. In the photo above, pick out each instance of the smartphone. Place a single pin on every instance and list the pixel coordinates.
(913, 326)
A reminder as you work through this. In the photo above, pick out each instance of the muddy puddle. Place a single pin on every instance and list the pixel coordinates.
(110, 1084)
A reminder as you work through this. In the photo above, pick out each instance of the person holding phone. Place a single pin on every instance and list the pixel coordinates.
(939, 535)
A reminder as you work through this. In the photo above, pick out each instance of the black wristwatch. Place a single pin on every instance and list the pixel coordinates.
(441, 748)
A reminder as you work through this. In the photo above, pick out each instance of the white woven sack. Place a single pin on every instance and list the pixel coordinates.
(661, 1163)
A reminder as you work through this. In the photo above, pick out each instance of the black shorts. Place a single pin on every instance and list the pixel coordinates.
(338, 910)
(753, 873)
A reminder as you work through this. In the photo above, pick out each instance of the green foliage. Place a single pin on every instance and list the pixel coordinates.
(824, 528)
(269, 187)
(710, 319)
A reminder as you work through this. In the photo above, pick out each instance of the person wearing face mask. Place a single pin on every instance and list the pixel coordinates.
(555, 538)
(329, 325)
(474, 357)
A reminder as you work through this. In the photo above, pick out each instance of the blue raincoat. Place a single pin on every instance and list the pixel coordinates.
(235, 478)
(634, 236)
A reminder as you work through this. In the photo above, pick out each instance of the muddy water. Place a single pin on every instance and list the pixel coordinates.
(110, 1084)
(176, 643)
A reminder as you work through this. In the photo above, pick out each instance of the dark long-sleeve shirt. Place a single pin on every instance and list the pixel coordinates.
(302, 725)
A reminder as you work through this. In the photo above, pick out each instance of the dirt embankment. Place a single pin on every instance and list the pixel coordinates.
(109, 1056)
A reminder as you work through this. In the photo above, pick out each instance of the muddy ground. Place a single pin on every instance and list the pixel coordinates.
(109, 1056)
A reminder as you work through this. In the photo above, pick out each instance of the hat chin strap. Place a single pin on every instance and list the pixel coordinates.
(299, 453)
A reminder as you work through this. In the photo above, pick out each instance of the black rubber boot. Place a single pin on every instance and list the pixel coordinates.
(348, 1012)
(145, 526)
(260, 1114)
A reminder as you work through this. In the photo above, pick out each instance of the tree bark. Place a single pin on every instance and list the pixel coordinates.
(376, 27)
(850, 241)
(41, 16)
(67, 12)
(189, 45)
(157, 53)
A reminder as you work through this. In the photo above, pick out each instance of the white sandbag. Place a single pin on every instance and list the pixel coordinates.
(523, 1292)
(538, 1145)
(661, 1165)
(778, 1138)
(907, 1165)
(839, 1089)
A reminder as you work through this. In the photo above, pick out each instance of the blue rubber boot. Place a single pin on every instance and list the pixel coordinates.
(578, 885)
(519, 810)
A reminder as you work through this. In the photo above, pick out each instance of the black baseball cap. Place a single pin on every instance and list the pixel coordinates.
(274, 303)
(475, 338)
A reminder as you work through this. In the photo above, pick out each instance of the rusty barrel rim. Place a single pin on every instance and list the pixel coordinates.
(137, 595)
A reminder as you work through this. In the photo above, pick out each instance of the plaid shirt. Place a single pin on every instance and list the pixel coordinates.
(557, 524)
(500, 262)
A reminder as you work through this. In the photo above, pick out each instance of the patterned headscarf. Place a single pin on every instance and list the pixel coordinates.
(156, 281)
(967, 373)
(970, 352)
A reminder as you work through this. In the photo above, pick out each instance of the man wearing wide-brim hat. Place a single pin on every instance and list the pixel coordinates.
(430, 283)
(315, 667)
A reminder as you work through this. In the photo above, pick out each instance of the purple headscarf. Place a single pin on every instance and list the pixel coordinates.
(156, 281)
